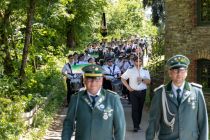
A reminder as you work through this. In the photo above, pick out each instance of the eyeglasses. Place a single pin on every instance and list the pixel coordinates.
(92, 79)
(178, 70)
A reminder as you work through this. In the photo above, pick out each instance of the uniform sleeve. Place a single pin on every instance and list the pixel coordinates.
(106, 70)
(126, 66)
(64, 70)
(68, 123)
(119, 120)
(117, 70)
(202, 117)
(126, 74)
(154, 116)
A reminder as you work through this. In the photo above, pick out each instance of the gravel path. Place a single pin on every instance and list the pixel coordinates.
(54, 131)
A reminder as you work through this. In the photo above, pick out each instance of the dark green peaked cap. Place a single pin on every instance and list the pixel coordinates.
(178, 61)
(93, 70)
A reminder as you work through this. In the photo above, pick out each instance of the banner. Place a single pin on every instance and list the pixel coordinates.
(94, 55)
(78, 68)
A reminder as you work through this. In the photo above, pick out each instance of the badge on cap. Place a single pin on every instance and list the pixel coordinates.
(178, 61)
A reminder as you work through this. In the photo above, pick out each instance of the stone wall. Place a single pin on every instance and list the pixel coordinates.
(207, 98)
(183, 36)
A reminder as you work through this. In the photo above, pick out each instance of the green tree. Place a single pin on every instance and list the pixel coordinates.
(30, 16)
(127, 18)
(8, 8)
(158, 13)
(81, 28)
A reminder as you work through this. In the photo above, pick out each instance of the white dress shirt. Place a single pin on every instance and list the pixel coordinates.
(132, 74)
(174, 88)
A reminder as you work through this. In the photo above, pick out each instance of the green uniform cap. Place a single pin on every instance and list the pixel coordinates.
(178, 61)
(93, 70)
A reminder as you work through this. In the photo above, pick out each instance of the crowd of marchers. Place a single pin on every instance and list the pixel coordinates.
(178, 109)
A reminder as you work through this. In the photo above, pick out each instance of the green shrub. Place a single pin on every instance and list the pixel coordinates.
(11, 123)
(16, 99)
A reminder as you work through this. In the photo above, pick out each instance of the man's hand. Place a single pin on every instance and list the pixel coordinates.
(130, 89)
(125, 83)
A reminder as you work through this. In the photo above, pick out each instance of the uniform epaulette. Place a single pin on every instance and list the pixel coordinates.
(111, 91)
(158, 88)
(81, 89)
(196, 85)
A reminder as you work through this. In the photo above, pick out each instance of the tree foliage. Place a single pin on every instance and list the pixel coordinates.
(35, 34)
(50, 28)
(60, 25)
(127, 18)
(158, 13)
(82, 27)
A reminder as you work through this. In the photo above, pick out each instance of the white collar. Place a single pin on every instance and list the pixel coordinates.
(98, 93)
(137, 68)
(174, 87)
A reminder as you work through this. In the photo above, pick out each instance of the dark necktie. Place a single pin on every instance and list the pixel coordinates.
(93, 100)
(178, 91)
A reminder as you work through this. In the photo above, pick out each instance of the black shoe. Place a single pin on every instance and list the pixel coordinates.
(135, 130)
(139, 128)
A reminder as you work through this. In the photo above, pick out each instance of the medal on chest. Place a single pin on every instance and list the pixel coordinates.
(107, 113)
(192, 100)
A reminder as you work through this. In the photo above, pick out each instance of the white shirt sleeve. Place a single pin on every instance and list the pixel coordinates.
(64, 69)
(117, 70)
(126, 74)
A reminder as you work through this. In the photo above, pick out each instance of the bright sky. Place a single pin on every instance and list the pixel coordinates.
(148, 12)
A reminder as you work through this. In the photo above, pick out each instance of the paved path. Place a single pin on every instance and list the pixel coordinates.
(54, 132)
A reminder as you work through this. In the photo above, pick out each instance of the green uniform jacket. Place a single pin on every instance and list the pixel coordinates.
(191, 120)
(105, 121)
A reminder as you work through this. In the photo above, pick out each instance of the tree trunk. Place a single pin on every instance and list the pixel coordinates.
(70, 37)
(30, 16)
(8, 66)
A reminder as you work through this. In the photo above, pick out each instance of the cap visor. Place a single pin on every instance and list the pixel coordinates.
(93, 74)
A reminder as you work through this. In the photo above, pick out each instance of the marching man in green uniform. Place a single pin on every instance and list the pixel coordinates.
(178, 109)
(98, 113)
